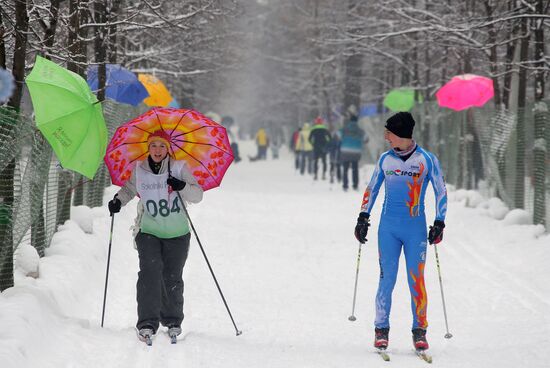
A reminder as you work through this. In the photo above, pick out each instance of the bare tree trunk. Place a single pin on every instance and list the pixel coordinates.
(2, 43)
(7, 195)
(75, 49)
(354, 65)
(50, 31)
(466, 137)
(82, 34)
(100, 47)
(493, 55)
(112, 18)
(38, 231)
(519, 190)
(21, 26)
(73, 43)
(541, 121)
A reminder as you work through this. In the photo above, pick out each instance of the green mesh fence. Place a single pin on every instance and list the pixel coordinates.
(35, 191)
(499, 153)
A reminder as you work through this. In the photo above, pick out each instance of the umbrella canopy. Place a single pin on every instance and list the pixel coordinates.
(198, 140)
(68, 115)
(7, 85)
(158, 93)
(368, 110)
(465, 91)
(122, 85)
(400, 99)
(174, 103)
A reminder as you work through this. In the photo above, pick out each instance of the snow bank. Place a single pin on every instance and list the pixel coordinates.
(471, 198)
(494, 207)
(27, 260)
(82, 215)
(518, 217)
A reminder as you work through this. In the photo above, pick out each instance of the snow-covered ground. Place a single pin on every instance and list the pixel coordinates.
(283, 250)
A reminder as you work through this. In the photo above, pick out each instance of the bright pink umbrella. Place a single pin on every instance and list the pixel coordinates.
(193, 137)
(465, 91)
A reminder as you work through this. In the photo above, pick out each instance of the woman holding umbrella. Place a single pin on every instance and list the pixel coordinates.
(163, 238)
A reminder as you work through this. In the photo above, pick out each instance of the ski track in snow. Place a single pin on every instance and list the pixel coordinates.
(283, 250)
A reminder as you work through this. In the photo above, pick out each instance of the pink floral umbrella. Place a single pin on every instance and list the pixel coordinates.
(465, 91)
(193, 137)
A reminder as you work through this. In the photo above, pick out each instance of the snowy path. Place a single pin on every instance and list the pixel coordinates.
(283, 250)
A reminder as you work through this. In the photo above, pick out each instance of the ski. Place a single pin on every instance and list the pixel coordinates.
(424, 356)
(383, 354)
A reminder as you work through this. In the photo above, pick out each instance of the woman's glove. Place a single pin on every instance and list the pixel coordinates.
(176, 184)
(114, 205)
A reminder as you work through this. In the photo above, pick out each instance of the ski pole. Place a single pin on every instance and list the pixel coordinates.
(107, 272)
(448, 335)
(352, 317)
(237, 331)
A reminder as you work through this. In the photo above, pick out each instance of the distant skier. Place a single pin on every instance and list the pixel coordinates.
(351, 148)
(262, 142)
(406, 170)
(319, 137)
(334, 157)
(294, 142)
(163, 238)
(306, 150)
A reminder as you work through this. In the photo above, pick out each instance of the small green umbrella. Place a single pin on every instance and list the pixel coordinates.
(69, 116)
(400, 99)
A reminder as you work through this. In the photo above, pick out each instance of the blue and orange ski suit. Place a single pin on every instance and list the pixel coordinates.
(403, 225)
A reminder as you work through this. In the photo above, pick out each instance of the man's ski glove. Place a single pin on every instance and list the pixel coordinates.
(362, 227)
(436, 232)
(176, 184)
(114, 205)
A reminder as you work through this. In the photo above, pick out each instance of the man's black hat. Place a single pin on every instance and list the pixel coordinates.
(401, 124)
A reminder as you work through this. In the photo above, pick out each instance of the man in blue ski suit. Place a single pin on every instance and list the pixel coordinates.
(406, 170)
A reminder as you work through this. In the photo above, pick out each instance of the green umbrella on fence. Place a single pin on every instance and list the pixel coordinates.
(400, 99)
(69, 116)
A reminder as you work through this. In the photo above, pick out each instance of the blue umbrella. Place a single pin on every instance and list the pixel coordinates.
(122, 85)
(7, 85)
(368, 110)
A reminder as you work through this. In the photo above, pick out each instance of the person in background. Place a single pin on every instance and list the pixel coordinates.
(163, 238)
(228, 122)
(276, 141)
(306, 150)
(351, 148)
(262, 142)
(406, 169)
(319, 137)
(334, 157)
(294, 147)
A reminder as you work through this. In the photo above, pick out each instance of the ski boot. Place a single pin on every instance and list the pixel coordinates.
(174, 332)
(146, 334)
(419, 339)
(381, 338)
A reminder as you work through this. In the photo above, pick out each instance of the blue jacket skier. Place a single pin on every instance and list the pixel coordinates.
(405, 170)
(351, 148)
